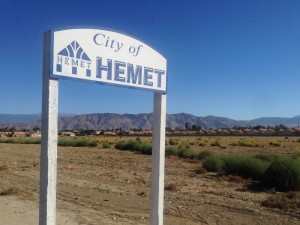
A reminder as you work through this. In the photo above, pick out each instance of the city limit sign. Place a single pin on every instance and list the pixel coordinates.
(107, 57)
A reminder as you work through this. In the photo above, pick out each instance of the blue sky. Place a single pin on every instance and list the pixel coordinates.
(229, 58)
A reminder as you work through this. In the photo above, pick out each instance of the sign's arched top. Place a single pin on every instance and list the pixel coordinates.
(107, 57)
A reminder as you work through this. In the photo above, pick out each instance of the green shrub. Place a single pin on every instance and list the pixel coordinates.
(218, 143)
(284, 175)
(106, 145)
(203, 143)
(32, 141)
(275, 143)
(26, 140)
(121, 145)
(145, 148)
(246, 143)
(245, 166)
(138, 146)
(187, 153)
(204, 154)
(268, 157)
(172, 142)
(171, 150)
(77, 143)
(213, 163)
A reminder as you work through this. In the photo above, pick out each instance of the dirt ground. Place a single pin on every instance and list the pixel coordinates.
(97, 186)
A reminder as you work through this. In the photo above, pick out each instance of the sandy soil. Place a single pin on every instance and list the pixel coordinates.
(106, 186)
(14, 211)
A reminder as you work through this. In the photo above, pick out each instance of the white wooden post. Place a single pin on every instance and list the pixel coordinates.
(48, 164)
(158, 159)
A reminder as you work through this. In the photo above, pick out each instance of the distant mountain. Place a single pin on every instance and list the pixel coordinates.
(99, 121)
(273, 121)
(12, 118)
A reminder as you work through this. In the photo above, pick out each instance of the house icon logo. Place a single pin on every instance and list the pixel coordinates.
(73, 60)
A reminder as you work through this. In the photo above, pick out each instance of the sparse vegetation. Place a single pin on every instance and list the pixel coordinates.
(218, 142)
(106, 145)
(136, 146)
(246, 143)
(170, 187)
(146, 148)
(173, 141)
(9, 191)
(77, 143)
(274, 171)
(21, 140)
(285, 201)
(213, 163)
(61, 142)
(275, 142)
(283, 174)
(245, 166)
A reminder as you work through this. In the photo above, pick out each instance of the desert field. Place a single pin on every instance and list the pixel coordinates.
(103, 185)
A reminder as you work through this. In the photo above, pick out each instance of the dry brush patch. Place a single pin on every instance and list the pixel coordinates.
(284, 201)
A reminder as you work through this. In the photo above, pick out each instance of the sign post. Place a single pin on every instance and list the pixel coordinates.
(103, 57)
(48, 167)
(158, 159)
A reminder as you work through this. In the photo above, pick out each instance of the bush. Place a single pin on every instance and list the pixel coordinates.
(170, 150)
(269, 157)
(245, 166)
(187, 153)
(275, 143)
(172, 142)
(213, 163)
(246, 143)
(218, 143)
(138, 146)
(77, 143)
(21, 140)
(202, 144)
(203, 155)
(284, 175)
(106, 145)
(146, 148)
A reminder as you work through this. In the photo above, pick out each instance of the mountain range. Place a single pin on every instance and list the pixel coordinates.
(104, 121)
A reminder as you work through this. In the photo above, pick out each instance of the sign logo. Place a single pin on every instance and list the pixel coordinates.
(107, 57)
(73, 58)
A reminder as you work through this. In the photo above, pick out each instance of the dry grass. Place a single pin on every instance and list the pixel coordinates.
(3, 168)
(171, 187)
(9, 191)
(289, 200)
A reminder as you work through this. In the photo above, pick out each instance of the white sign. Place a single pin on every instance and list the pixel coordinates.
(107, 57)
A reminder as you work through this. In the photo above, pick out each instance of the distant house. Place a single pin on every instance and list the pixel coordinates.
(287, 132)
(223, 132)
(68, 133)
(251, 132)
(110, 133)
(20, 134)
(36, 135)
(210, 132)
(296, 130)
(200, 132)
(267, 131)
(236, 132)
(5, 134)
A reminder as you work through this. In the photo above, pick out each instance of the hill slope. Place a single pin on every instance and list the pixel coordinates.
(99, 121)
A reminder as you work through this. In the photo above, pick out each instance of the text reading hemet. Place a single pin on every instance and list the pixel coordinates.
(127, 72)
